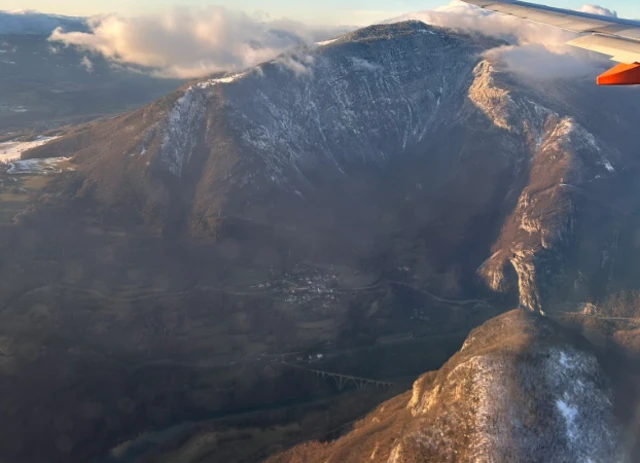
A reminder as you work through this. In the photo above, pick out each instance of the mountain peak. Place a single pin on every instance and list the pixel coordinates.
(391, 30)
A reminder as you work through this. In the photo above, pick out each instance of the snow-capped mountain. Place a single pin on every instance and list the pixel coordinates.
(416, 110)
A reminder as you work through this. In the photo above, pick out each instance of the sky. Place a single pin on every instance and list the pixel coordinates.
(325, 12)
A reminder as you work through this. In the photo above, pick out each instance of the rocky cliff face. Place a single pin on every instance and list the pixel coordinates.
(535, 237)
(518, 390)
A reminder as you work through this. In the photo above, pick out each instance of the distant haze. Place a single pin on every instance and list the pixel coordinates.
(331, 12)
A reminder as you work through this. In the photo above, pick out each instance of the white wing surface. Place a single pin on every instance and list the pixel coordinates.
(616, 37)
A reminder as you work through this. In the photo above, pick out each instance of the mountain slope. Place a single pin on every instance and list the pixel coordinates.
(518, 390)
(362, 99)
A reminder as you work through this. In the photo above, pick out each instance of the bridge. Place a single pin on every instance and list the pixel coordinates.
(342, 381)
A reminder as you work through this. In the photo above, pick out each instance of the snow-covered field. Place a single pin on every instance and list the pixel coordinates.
(12, 150)
(13, 109)
(37, 166)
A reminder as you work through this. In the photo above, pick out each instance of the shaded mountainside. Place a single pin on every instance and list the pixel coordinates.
(520, 389)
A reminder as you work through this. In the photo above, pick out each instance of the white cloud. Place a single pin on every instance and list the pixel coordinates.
(191, 42)
(595, 9)
(299, 63)
(534, 49)
(86, 63)
(364, 65)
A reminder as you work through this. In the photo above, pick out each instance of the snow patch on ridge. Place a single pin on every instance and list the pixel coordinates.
(38, 166)
(181, 128)
(223, 80)
(569, 414)
(327, 42)
(581, 403)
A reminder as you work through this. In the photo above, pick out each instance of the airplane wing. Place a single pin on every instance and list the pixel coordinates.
(616, 37)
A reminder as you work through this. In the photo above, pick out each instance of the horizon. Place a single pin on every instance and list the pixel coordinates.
(332, 13)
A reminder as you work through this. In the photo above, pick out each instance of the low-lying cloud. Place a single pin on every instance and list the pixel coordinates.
(534, 49)
(190, 41)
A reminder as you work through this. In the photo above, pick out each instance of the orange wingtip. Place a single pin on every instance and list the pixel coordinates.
(622, 74)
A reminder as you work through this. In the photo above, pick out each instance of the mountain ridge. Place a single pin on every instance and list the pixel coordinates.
(293, 128)
(519, 389)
